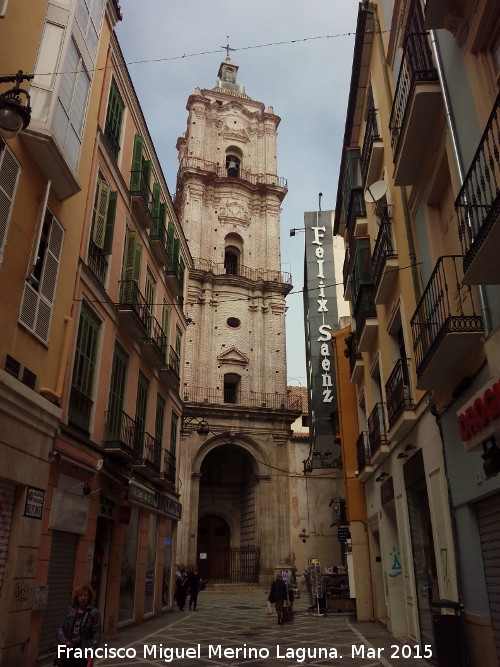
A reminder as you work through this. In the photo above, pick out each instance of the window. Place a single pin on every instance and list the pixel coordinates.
(9, 176)
(141, 404)
(233, 322)
(48, 58)
(131, 270)
(174, 427)
(82, 383)
(161, 407)
(231, 387)
(114, 117)
(178, 343)
(116, 393)
(231, 262)
(40, 286)
(140, 172)
(71, 104)
(89, 19)
(165, 322)
(103, 224)
(233, 165)
(150, 291)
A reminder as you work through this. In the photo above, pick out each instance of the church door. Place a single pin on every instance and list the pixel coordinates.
(214, 540)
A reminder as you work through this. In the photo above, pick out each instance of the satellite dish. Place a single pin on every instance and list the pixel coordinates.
(375, 192)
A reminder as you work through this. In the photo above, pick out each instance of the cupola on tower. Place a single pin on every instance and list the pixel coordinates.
(228, 200)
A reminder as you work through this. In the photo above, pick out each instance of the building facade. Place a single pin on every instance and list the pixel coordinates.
(417, 205)
(93, 263)
(236, 427)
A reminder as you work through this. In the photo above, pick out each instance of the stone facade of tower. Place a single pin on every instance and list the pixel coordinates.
(228, 199)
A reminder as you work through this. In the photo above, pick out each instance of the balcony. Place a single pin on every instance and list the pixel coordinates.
(346, 271)
(356, 363)
(365, 467)
(142, 198)
(254, 399)
(373, 149)
(133, 311)
(416, 106)
(210, 169)
(377, 435)
(174, 274)
(155, 343)
(158, 240)
(365, 314)
(79, 410)
(171, 370)
(97, 262)
(224, 269)
(356, 222)
(149, 463)
(446, 325)
(385, 264)
(478, 208)
(400, 405)
(167, 474)
(123, 437)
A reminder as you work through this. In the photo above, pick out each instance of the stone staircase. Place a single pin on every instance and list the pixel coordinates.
(242, 587)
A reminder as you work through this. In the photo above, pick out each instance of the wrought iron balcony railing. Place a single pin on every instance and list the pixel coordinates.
(176, 269)
(123, 433)
(377, 431)
(132, 299)
(220, 170)
(244, 398)
(371, 134)
(97, 262)
(159, 233)
(478, 203)
(398, 391)
(140, 191)
(416, 66)
(152, 451)
(220, 269)
(445, 307)
(79, 409)
(384, 247)
(363, 451)
(156, 336)
(364, 307)
(357, 209)
(173, 362)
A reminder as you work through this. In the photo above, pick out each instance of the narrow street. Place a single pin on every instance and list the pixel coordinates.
(233, 629)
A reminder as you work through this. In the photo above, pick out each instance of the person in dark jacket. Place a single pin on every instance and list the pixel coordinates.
(278, 595)
(181, 588)
(193, 578)
(80, 626)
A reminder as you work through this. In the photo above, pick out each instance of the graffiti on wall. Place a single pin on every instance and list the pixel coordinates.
(396, 568)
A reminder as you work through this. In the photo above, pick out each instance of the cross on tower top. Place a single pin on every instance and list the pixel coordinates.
(228, 48)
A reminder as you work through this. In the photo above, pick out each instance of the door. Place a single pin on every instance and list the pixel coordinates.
(214, 538)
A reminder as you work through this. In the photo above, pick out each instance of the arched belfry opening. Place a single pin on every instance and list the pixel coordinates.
(227, 539)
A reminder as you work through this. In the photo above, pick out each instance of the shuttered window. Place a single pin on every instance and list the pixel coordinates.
(174, 427)
(114, 117)
(9, 176)
(161, 406)
(103, 218)
(86, 351)
(141, 405)
(116, 392)
(131, 270)
(165, 322)
(40, 286)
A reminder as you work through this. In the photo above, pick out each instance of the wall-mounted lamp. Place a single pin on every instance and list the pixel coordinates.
(294, 230)
(410, 448)
(203, 427)
(14, 115)
(304, 535)
(382, 476)
(322, 459)
(402, 455)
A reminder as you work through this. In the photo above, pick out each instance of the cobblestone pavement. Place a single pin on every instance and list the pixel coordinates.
(233, 629)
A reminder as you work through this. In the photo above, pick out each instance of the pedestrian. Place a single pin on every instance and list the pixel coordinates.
(278, 595)
(80, 628)
(194, 582)
(291, 583)
(181, 588)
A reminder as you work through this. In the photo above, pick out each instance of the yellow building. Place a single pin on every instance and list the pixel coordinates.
(417, 206)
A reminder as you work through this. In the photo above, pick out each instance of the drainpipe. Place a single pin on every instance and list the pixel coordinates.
(404, 199)
(458, 159)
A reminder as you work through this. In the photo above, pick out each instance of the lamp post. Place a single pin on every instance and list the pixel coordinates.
(14, 115)
(203, 428)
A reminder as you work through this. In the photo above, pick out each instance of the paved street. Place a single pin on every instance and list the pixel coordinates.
(225, 623)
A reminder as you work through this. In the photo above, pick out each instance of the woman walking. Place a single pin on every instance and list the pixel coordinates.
(80, 627)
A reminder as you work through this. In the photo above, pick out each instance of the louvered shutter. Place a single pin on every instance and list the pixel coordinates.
(9, 175)
(36, 307)
(110, 223)
(136, 171)
(155, 209)
(170, 249)
(100, 213)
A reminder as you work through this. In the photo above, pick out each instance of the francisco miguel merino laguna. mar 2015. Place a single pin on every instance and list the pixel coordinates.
(298, 653)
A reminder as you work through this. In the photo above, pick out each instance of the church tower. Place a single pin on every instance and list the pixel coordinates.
(236, 423)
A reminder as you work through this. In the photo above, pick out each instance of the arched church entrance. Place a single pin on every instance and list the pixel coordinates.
(227, 549)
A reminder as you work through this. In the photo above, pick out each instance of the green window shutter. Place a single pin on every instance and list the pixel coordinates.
(174, 425)
(141, 404)
(86, 352)
(170, 237)
(165, 321)
(155, 209)
(129, 255)
(161, 408)
(147, 168)
(110, 223)
(114, 116)
(100, 213)
(137, 263)
(136, 170)
(177, 248)
(163, 214)
(116, 393)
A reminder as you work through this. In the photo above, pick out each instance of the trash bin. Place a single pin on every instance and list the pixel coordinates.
(449, 634)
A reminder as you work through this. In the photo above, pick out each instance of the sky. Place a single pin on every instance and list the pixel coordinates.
(293, 55)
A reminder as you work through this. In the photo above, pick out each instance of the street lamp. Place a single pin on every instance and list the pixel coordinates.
(14, 115)
(203, 427)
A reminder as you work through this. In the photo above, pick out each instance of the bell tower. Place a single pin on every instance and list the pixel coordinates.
(228, 200)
